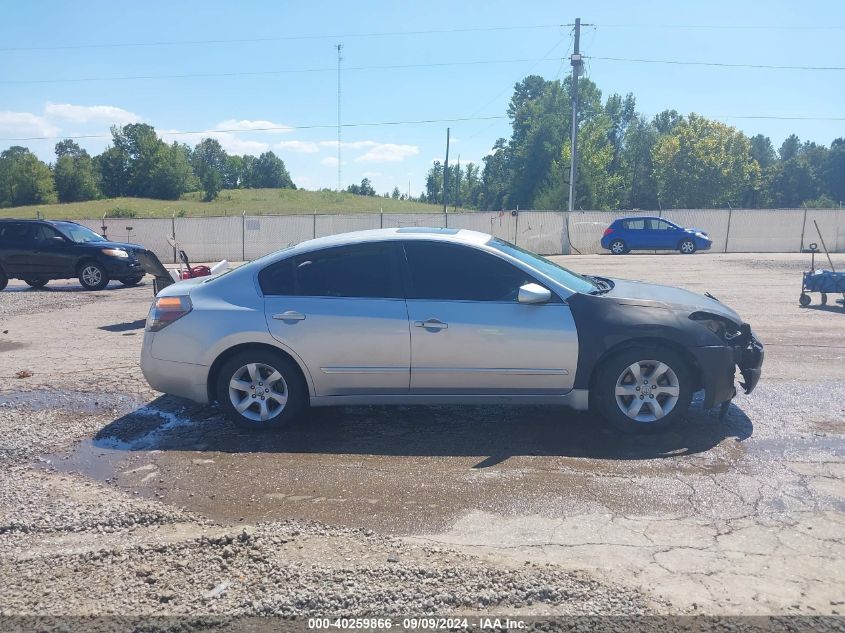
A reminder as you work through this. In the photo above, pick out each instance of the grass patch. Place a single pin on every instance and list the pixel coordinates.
(228, 202)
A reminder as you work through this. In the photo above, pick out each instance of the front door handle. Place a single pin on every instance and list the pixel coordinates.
(432, 324)
(289, 315)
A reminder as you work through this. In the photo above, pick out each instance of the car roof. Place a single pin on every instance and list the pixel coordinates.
(639, 217)
(39, 220)
(459, 236)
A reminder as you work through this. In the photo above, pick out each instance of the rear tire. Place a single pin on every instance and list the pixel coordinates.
(93, 276)
(618, 247)
(643, 389)
(686, 247)
(4, 280)
(260, 383)
(36, 283)
(824, 298)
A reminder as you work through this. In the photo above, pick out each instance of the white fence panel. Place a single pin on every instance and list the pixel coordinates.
(832, 226)
(544, 232)
(765, 231)
(431, 220)
(265, 234)
(343, 223)
(151, 232)
(714, 222)
(209, 239)
(500, 224)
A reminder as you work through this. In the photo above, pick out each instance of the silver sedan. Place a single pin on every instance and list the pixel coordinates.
(433, 316)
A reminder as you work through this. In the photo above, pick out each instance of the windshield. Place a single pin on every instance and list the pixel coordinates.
(78, 233)
(562, 275)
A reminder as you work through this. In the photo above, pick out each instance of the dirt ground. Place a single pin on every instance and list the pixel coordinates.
(116, 499)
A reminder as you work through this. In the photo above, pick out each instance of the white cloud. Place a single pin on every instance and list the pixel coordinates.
(388, 153)
(372, 174)
(23, 124)
(305, 147)
(90, 114)
(349, 144)
(329, 161)
(247, 125)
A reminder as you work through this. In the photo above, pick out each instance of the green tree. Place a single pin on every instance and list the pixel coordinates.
(24, 179)
(171, 174)
(210, 164)
(74, 173)
(269, 171)
(396, 193)
(703, 163)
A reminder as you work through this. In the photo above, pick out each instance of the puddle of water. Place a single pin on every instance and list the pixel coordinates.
(73, 401)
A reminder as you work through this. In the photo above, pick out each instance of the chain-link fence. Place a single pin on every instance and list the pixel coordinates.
(247, 237)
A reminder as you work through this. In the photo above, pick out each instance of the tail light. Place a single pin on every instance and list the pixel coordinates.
(607, 232)
(166, 310)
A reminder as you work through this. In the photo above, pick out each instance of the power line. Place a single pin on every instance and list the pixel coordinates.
(731, 27)
(259, 73)
(715, 64)
(277, 128)
(285, 38)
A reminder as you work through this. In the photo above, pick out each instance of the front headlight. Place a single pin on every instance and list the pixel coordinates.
(720, 326)
(114, 252)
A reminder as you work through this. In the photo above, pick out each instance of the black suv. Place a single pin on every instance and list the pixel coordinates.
(40, 250)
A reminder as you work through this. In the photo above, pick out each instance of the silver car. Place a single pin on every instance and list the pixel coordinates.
(434, 316)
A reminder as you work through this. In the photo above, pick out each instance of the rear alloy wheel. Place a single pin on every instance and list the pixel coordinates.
(687, 247)
(131, 281)
(643, 390)
(617, 247)
(260, 389)
(36, 283)
(93, 276)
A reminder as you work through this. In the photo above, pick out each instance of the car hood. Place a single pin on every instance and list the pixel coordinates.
(675, 298)
(109, 244)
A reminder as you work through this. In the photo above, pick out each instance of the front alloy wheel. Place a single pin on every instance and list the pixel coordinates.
(643, 389)
(647, 390)
(92, 276)
(687, 247)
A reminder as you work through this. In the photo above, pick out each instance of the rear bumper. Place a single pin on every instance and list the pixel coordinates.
(718, 364)
(185, 380)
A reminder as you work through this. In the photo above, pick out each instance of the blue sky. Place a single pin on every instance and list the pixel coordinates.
(805, 33)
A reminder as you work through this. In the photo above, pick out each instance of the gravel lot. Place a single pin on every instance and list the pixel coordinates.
(115, 499)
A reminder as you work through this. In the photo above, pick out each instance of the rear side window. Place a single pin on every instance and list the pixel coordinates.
(360, 270)
(17, 235)
(450, 272)
(636, 225)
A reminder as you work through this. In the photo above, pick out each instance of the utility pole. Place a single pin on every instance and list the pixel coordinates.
(339, 59)
(576, 61)
(446, 175)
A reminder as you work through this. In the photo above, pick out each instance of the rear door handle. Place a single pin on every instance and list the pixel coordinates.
(432, 324)
(290, 315)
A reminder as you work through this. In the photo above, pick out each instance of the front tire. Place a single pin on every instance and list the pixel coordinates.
(131, 281)
(36, 283)
(617, 247)
(93, 276)
(261, 389)
(687, 247)
(643, 389)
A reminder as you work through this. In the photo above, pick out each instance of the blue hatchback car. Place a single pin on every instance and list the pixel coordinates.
(652, 234)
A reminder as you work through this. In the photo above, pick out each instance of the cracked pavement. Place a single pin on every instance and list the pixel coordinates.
(744, 515)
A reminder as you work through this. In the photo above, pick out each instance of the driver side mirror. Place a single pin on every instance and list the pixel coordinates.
(57, 240)
(534, 293)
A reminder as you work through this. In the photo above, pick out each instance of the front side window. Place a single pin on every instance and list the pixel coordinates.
(79, 234)
(663, 225)
(451, 272)
(360, 270)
